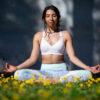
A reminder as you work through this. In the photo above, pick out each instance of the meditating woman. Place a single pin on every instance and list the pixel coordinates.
(52, 43)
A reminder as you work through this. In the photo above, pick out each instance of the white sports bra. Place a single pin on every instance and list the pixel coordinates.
(57, 49)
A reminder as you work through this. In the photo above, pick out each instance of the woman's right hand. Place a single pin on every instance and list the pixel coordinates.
(9, 68)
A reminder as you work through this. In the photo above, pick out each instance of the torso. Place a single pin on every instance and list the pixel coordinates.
(52, 58)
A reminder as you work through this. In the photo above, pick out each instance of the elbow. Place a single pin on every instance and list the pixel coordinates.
(32, 60)
(72, 58)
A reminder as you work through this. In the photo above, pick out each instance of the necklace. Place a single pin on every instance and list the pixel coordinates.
(49, 32)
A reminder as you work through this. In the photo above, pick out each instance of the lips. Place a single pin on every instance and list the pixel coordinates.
(51, 22)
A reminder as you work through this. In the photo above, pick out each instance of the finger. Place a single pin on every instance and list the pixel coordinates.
(6, 65)
(98, 71)
(5, 70)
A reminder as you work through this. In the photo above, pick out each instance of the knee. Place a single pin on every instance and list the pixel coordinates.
(18, 74)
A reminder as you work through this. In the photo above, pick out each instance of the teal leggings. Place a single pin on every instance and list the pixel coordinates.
(58, 71)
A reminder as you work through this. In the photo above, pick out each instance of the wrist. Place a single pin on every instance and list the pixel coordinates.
(16, 68)
(88, 68)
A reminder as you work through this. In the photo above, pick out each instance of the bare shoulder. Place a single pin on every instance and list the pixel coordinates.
(38, 35)
(66, 34)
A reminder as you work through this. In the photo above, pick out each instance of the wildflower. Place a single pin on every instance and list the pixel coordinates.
(15, 83)
(22, 90)
(22, 85)
(34, 78)
(31, 81)
(15, 96)
(65, 78)
(98, 79)
(65, 90)
(92, 79)
(27, 81)
(46, 82)
(88, 85)
(90, 76)
(11, 76)
(81, 84)
(2, 75)
(16, 77)
(68, 85)
(44, 94)
(5, 80)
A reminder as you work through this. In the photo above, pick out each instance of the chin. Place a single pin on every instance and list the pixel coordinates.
(51, 26)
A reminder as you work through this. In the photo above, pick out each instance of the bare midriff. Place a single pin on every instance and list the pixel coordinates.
(52, 59)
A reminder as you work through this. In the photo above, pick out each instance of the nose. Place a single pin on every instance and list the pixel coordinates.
(51, 17)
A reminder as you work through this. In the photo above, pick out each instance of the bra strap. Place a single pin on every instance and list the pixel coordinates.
(43, 34)
(60, 33)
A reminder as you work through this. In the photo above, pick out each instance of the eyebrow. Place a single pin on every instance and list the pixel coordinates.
(51, 14)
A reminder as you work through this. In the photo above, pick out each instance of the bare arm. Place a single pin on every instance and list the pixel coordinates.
(34, 54)
(71, 52)
(31, 60)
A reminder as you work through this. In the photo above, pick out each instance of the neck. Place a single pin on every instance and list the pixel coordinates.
(51, 30)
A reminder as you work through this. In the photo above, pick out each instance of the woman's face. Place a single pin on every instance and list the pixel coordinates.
(51, 18)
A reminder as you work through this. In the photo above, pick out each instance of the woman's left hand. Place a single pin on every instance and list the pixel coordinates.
(95, 69)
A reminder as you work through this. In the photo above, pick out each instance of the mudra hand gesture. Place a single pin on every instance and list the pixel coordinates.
(95, 69)
(9, 68)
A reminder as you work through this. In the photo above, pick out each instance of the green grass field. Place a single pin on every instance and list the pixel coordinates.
(11, 89)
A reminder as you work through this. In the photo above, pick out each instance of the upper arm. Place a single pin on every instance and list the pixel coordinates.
(69, 45)
(36, 48)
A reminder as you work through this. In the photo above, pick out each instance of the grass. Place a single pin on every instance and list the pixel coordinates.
(11, 89)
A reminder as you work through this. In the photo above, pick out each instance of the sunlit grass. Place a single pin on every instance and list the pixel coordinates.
(12, 89)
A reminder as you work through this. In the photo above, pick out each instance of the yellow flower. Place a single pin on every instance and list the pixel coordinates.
(65, 90)
(2, 75)
(46, 82)
(34, 78)
(81, 84)
(90, 76)
(98, 79)
(92, 79)
(22, 85)
(15, 83)
(31, 81)
(74, 77)
(16, 77)
(88, 85)
(64, 78)
(11, 76)
(68, 85)
(5, 80)
(44, 94)
(22, 90)
(27, 81)
(15, 97)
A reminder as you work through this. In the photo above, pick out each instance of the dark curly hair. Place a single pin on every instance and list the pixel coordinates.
(55, 10)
